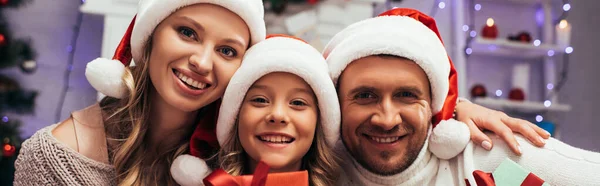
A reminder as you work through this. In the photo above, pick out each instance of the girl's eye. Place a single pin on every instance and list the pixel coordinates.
(187, 32)
(228, 51)
(259, 100)
(298, 103)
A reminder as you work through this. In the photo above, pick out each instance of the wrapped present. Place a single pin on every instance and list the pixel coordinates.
(261, 177)
(508, 173)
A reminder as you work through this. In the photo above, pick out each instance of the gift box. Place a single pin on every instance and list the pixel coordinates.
(508, 173)
(261, 177)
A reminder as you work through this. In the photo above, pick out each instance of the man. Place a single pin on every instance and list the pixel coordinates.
(396, 86)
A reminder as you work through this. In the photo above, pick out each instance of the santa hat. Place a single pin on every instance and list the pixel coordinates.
(278, 53)
(105, 75)
(411, 34)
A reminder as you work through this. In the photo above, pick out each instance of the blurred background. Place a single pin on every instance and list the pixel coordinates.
(533, 59)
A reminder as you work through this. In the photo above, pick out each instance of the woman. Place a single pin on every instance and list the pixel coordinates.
(185, 54)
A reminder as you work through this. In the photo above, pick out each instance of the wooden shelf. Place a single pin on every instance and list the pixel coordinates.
(521, 106)
(512, 49)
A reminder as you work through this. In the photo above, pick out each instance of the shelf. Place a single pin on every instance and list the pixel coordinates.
(512, 49)
(520, 106)
(517, 2)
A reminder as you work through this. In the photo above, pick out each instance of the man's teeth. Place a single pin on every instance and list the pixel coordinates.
(190, 81)
(276, 139)
(385, 140)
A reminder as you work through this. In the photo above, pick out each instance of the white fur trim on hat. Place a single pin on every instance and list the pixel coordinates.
(449, 138)
(281, 54)
(188, 170)
(105, 76)
(153, 12)
(393, 35)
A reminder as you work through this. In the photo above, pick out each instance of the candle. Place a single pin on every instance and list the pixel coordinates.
(563, 33)
(490, 30)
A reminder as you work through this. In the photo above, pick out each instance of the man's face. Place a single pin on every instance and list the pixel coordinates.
(385, 104)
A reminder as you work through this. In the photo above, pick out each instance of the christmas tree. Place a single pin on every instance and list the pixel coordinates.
(13, 99)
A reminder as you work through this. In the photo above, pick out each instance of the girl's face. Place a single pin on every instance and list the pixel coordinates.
(277, 121)
(195, 51)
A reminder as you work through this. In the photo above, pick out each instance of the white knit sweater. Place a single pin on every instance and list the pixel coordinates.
(557, 164)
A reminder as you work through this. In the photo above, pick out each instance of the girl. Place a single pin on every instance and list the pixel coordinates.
(281, 108)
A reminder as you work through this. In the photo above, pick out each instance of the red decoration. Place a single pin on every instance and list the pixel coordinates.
(261, 177)
(8, 150)
(516, 94)
(524, 37)
(3, 2)
(478, 91)
(312, 2)
(2, 39)
(490, 30)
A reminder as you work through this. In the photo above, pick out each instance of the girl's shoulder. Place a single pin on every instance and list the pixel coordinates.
(84, 132)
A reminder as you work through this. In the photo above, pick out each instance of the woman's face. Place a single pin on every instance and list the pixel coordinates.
(195, 51)
(277, 121)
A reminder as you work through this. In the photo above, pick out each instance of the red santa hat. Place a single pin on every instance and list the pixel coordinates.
(278, 53)
(105, 75)
(411, 34)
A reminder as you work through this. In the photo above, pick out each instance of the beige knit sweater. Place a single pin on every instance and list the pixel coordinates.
(43, 160)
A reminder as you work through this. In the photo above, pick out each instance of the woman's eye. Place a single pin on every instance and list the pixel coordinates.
(227, 51)
(187, 32)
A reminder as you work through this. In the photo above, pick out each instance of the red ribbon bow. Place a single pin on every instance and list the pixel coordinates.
(221, 178)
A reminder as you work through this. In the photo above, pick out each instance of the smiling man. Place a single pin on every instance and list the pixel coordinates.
(396, 87)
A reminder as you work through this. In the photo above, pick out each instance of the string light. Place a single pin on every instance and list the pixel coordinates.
(550, 86)
(550, 53)
(539, 118)
(547, 103)
(477, 7)
(498, 93)
(5, 119)
(569, 50)
(473, 33)
(469, 51)
(567, 7)
(442, 5)
(465, 28)
(537, 42)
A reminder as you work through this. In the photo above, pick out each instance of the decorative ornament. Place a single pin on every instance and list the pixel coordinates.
(490, 30)
(28, 66)
(8, 150)
(516, 94)
(2, 38)
(524, 37)
(478, 91)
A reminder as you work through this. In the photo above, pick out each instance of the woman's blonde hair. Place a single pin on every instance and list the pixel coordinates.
(320, 161)
(126, 125)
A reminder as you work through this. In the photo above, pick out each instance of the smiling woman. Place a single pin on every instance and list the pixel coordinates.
(185, 54)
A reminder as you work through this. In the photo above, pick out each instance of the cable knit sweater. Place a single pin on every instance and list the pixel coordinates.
(557, 164)
(43, 160)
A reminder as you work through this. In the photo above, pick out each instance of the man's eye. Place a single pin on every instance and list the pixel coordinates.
(407, 94)
(364, 95)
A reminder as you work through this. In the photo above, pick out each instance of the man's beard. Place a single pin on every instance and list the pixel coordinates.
(388, 169)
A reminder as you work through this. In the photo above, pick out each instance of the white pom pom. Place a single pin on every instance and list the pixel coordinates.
(105, 76)
(188, 170)
(449, 138)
